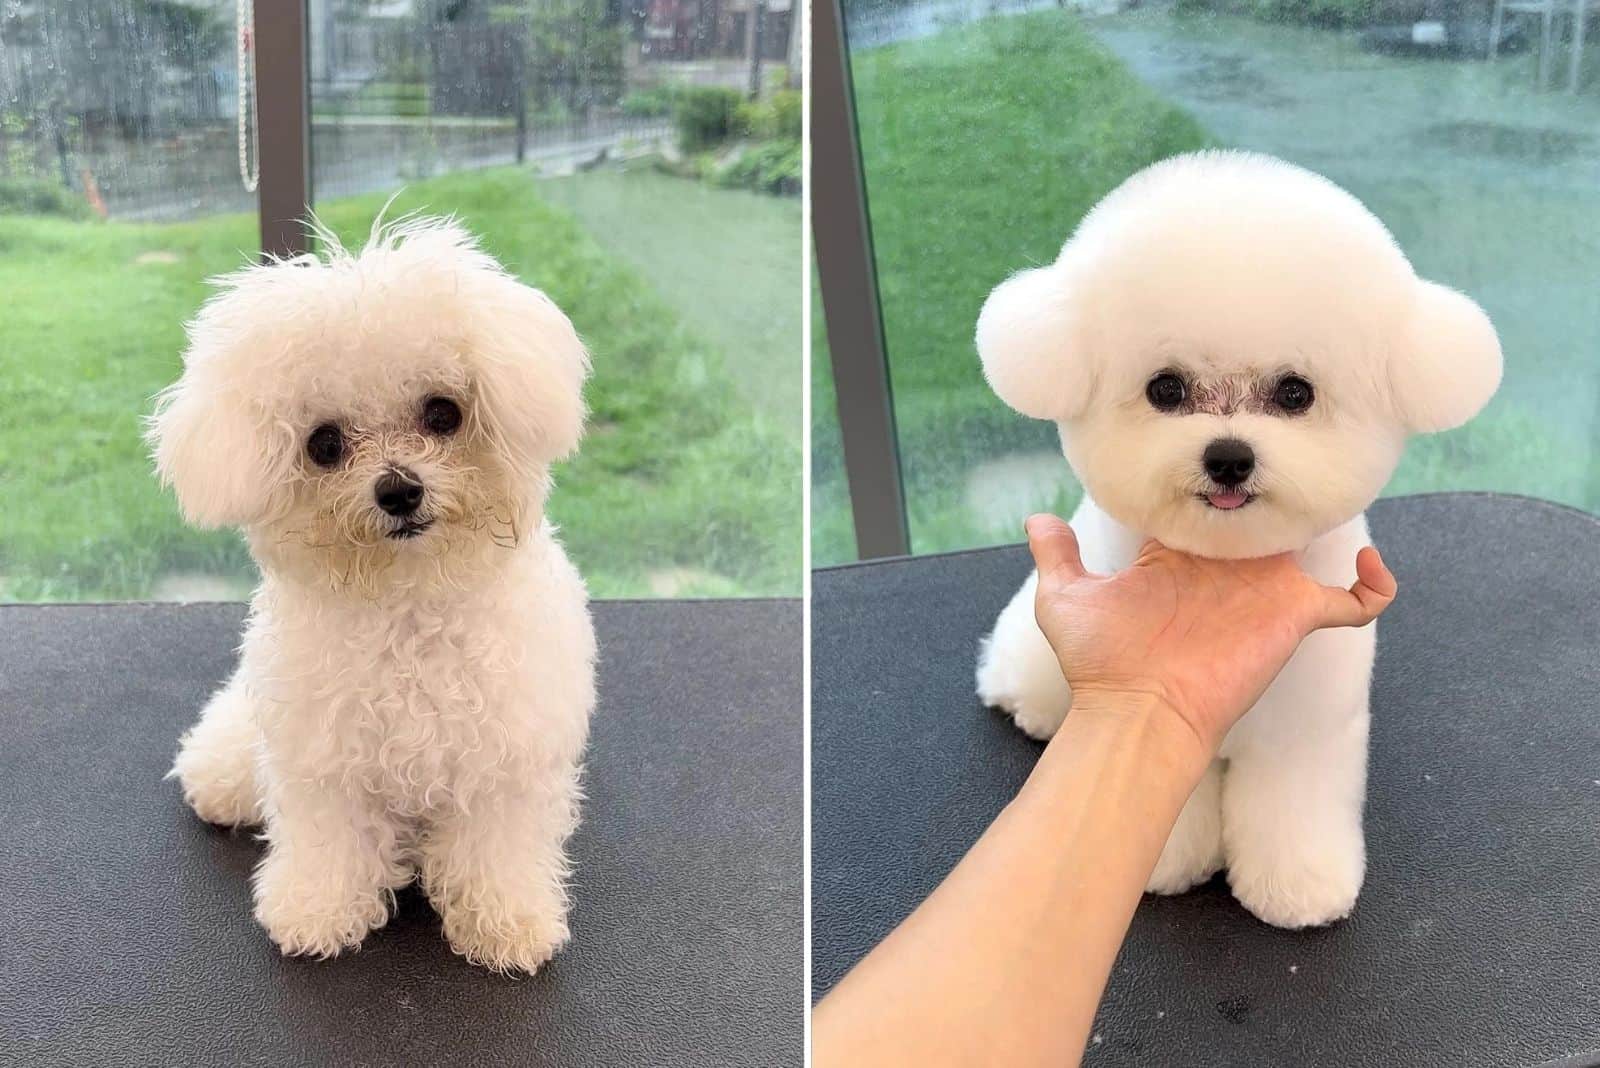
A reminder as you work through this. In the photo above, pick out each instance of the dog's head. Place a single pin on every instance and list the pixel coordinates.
(1235, 350)
(374, 412)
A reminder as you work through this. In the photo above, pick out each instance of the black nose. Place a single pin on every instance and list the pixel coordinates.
(398, 492)
(1229, 461)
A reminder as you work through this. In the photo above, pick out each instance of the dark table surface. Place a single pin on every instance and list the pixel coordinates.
(1476, 941)
(125, 928)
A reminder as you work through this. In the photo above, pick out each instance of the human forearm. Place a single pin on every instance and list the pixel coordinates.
(1005, 961)
(1109, 788)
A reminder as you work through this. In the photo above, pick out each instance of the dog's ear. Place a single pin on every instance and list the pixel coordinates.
(221, 455)
(1447, 364)
(1031, 340)
(530, 370)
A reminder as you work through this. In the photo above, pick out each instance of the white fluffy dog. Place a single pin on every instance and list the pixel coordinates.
(1234, 351)
(416, 678)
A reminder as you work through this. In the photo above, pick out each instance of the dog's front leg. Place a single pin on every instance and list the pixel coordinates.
(1291, 824)
(1193, 852)
(497, 875)
(333, 863)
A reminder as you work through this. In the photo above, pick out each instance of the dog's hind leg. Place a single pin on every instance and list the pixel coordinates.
(217, 758)
(1018, 672)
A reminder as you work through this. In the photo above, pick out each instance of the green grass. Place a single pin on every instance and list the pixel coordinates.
(679, 481)
(728, 260)
(985, 144)
(982, 146)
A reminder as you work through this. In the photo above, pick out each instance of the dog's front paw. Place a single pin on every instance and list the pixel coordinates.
(305, 915)
(1302, 886)
(505, 942)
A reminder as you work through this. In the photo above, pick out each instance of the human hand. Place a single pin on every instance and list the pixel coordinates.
(1201, 638)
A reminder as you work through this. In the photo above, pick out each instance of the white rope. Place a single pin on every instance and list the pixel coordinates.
(245, 48)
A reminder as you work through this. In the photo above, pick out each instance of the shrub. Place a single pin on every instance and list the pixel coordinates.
(706, 116)
(769, 167)
(776, 118)
(787, 118)
(39, 196)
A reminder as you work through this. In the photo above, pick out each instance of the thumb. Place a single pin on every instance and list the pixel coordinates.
(1374, 591)
(1054, 547)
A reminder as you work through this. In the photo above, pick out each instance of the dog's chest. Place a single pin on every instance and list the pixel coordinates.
(414, 707)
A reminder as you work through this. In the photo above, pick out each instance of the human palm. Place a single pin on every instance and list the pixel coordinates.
(1203, 637)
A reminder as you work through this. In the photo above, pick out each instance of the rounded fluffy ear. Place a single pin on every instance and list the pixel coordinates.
(1448, 364)
(212, 447)
(531, 370)
(1029, 338)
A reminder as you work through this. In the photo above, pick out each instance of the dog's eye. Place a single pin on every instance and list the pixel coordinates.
(1293, 394)
(441, 416)
(1166, 391)
(325, 446)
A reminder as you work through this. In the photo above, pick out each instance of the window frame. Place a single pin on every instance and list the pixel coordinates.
(282, 88)
(847, 275)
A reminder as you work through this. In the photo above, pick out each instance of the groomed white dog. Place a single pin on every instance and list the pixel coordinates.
(1234, 351)
(417, 674)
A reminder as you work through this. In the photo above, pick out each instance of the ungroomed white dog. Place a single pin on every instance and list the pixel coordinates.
(414, 688)
(1235, 350)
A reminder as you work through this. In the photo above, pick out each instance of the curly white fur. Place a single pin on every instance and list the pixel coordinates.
(413, 693)
(1235, 270)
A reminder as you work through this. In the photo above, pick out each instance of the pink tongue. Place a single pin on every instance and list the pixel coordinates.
(1228, 499)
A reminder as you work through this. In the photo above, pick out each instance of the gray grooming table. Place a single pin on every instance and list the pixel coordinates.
(1476, 941)
(127, 935)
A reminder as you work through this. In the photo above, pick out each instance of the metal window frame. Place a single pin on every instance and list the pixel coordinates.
(283, 92)
(842, 233)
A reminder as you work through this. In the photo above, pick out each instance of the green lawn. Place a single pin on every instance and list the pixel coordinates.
(727, 259)
(680, 488)
(985, 144)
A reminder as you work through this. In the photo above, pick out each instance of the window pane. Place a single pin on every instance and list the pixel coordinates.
(119, 194)
(985, 137)
(548, 129)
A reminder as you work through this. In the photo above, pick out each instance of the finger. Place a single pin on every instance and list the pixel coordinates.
(1374, 574)
(1054, 547)
(1374, 590)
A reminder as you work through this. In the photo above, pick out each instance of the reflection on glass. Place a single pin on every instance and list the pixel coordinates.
(988, 130)
(639, 163)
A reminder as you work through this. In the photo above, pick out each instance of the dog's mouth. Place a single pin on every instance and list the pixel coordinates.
(412, 528)
(1226, 499)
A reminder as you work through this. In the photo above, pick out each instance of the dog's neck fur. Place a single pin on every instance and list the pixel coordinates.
(447, 566)
(1114, 545)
